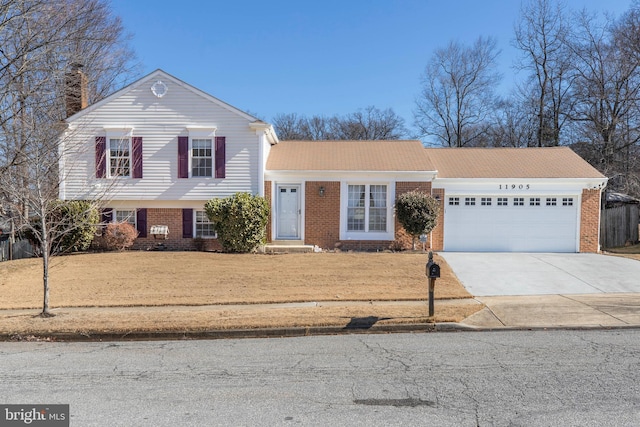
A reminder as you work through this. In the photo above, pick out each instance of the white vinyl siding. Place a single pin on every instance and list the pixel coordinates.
(159, 121)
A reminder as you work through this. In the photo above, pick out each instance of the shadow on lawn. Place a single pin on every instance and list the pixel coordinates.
(364, 322)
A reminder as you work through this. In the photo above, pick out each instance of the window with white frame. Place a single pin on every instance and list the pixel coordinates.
(367, 208)
(203, 226)
(551, 201)
(502, 201)
(485, 201)
(125, 215)
(454, 201)
(119, 157)
(567, 201)
(534, 201)
(201, 157)
(518, 201)
(470, 201)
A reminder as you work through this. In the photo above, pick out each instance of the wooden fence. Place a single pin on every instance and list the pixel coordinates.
(618, 226)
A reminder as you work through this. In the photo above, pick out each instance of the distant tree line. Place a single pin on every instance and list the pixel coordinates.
(369, 123)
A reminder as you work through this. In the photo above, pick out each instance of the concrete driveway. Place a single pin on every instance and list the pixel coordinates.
(497, 274)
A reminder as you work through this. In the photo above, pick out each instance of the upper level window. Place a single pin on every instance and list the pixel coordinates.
(201, 157)
(367, 208)
(119, 157)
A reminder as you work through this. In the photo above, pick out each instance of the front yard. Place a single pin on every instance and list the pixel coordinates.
(140, 290)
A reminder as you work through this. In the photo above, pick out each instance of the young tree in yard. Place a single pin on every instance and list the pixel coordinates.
(40, 41)
(240, 221)
(417, 212)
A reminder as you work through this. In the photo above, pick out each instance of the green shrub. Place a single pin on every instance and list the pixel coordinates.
(240, 221)
(71, 226)
(417, 212)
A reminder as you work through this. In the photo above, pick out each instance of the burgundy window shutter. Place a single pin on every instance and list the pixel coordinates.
(187, 223)
(141, 222)
(183, 157)
(136, 152)
(107, 215)
(101, 157)
(220, 156)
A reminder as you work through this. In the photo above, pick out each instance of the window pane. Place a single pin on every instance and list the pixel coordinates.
(201, 157)
(126, 216)
(119, 159)
(355, 208)
(204, 227)
(378, 208)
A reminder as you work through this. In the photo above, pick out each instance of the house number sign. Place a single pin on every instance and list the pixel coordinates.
(514, 186)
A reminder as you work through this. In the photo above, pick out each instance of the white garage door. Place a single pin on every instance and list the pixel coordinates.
(511, 224)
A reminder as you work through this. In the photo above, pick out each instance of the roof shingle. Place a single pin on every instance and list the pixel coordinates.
(349, 156)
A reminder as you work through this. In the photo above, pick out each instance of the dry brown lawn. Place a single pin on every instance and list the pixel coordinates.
(145, 291)
(632, 251)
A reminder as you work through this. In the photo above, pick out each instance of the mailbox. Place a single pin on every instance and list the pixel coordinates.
(433, 271)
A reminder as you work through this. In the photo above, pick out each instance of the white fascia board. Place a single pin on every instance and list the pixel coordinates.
(260, 127)
(507, 186)
(419, 176)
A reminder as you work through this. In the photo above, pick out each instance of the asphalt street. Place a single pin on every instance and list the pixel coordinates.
(541, 378)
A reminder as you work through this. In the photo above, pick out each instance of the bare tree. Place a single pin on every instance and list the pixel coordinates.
(541, 35)
(40, 41)
(607, 91)
(367, 124)
(458, 93)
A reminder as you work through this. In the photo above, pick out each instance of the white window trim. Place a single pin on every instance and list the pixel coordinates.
(195, 228)
(114, 216)
(118, 133)
(202, 133)
(367, 235)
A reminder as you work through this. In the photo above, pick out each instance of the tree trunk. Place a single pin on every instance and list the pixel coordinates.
(45, 268)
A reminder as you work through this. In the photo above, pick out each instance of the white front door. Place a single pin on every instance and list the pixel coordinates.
(288, 212)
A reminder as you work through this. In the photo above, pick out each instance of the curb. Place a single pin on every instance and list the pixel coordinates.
(237, 333)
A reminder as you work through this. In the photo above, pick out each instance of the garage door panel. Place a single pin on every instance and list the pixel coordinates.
(511, 228)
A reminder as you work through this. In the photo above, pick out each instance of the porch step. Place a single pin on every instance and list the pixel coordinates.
(288, 246)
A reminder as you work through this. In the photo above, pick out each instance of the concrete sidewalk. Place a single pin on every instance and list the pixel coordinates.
(557, 311)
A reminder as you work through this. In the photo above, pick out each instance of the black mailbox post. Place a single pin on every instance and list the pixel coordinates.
(433, 272)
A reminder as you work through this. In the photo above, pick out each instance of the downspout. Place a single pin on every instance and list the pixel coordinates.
(261, 142)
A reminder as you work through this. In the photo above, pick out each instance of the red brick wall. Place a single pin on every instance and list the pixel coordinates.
(437, 235)
(173, 219)
(322, 214)
(404, 240)
(590, 221)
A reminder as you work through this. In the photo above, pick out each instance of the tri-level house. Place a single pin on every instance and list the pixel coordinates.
(157, 150)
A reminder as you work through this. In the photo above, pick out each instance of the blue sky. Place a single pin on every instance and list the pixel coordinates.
(316, 57)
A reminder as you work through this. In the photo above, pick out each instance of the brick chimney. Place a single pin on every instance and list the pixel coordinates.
(75, 82)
